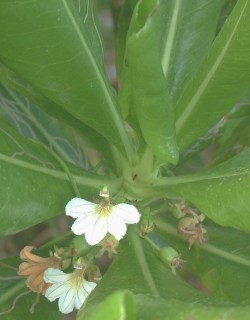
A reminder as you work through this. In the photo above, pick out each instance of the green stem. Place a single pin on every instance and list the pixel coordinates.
(143, 262)
(152, 243)
(145, 166)
(162, 225)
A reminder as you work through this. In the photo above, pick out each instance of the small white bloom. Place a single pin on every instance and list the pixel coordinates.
(71, 289)
(96, 220)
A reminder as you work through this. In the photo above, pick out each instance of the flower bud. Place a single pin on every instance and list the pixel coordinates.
(146, 223)
(192, 229)
(80, 263)
(109, 244)
(171, 258)
(93, 273)
(104, 192)
(178, 209)
(79, 247)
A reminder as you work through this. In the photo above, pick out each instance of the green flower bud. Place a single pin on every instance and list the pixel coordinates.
(110, 245)
(178, 209)
(80, 263)
(146, 223)
(79, 246)
(104, 192)
(93, 273)
(171, 258)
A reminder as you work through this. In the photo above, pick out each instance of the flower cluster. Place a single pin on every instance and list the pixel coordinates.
(44, 276)
(104, 224)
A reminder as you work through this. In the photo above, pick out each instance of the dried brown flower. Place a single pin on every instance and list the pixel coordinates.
(34, 267)
(192, 229)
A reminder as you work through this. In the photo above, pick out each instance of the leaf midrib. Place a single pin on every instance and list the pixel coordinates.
(143, 263)
(167, 52)
(187, 113)
(109, 100)
(94, 182)
(191, 178)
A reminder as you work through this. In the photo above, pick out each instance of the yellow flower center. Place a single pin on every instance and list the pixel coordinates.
(104, 209)
(77, 279)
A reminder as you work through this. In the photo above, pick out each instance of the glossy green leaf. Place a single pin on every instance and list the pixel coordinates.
(143, 86)
(187, 31)
(152, 308)
(221, 82)
(122, 16)
(47, 44)
(118, 306)
(221, 193)
(88, 14)
(221, 266)
(36, 183)
(225, 13)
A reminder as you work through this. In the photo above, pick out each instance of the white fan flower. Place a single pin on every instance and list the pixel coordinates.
(71, 289)
(96, 220)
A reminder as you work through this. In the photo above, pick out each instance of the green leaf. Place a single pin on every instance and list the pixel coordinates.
(37, 184)
(118, 306)
(222, 80)
(143, 84)
(187, 31)
(221, 266)
(221, 193)
(88, 14)
(122, 16)
(152, 308)
(60, 63)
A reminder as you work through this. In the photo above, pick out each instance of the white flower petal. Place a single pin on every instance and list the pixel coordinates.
(77, 207)
(82, 224)
(68, 288)
(66, 302)
(97, 231)
(56, 291)
(128, 212)
(80, 297)
(89, 286)
(52, 275)
(116, 226)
